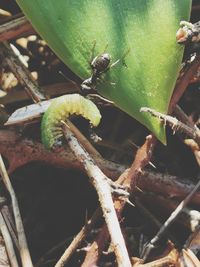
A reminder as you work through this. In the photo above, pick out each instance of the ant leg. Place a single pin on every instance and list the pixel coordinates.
(114, 64)
(67, 79)
(92, 52)
(110, 83)
(121, 59)
(113, 84)
(105, 48)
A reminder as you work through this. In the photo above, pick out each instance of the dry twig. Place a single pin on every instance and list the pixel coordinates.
(78, 239)
(24, 252)
(128, 179)
(15, 28)
(21, 72)
(56, 89)
(100, 182)
(180, 114)
(20, 151)
(183, 82)
(8, 242)
(189, 218)
(176, 125)
(168, 223)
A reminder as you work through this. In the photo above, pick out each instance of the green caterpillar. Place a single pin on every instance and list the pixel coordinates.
(60, 109)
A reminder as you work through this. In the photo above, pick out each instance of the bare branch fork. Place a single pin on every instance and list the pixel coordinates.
(100, 182)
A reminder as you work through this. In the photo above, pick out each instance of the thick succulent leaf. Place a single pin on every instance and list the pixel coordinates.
(144, 29)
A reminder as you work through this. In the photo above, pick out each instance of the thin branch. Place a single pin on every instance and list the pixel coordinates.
(4, 13)
(168, 223)
(10, 224)
(8, 220)
(15, 29)
(83, 140)
(147, 213)
(196, 7)
(193, 241)
(181, 116)
(78, 239)
(169, 260)
(188, 218)
(195, 148)
(56, 89)
(24, 252)
(142, 159)
(183, 82)
(100, 182)
(176, 125)
(128, 179)
(21, 72)
(20, 151)
(8, 242)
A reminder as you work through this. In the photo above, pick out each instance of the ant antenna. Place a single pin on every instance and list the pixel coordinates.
(66, 78)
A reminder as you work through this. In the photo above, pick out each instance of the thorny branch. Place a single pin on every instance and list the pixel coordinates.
(20, 151)
(102, 186)
(180, 114)
(175, 124)
(128, 179)
(78, 239)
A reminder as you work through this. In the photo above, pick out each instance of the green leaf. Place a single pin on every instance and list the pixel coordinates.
(145, 28)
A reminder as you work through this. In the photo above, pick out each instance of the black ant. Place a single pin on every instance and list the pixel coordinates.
(99, 65)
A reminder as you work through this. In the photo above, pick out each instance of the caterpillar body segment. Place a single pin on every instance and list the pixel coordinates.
(60, 109)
